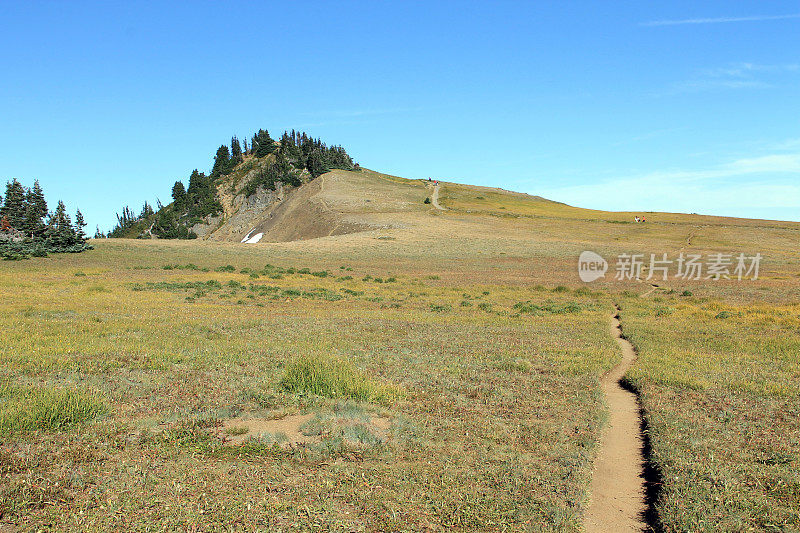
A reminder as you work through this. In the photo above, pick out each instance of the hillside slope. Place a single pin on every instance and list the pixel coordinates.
(344, 202)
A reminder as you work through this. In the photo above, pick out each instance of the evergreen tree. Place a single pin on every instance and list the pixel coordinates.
(14, 206)
(221, 162)
(33, 225)
(36, 198)
(99, 234)
(79, 225)
(236, 150)
(60, 233)
(262, 144)
(179, 195)
(244, 141)
(316, 163)
(202, 196)
(147, 211)
(197, 182)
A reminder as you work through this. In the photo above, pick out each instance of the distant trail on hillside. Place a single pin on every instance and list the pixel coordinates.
(435, 199)
(618, 485)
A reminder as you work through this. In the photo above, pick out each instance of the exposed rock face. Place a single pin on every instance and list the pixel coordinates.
(203, 229)
(246, 212)
(336, 203)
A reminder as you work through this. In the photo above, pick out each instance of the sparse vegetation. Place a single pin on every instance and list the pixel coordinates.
(471, 371)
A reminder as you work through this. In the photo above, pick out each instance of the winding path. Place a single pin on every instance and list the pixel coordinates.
(435, 198)
(618, 486)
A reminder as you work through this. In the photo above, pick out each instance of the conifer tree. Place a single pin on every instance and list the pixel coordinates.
(179, 195)
(14, 205)
(236, 150)
(221, 162)
(79, 225)
(60, 232)
(316, 163)
(263, 145)
(36, 197)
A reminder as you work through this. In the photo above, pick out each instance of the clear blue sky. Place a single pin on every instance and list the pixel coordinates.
(680, 106)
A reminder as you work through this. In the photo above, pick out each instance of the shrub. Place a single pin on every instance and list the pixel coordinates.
(427, 201)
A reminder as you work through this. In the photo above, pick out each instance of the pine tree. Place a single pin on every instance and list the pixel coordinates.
(33, 224)
(99, 234)
(60, 232)
(179, 195)
(14, 206)
(79, 225)
(147, 211)
(36, 197)
(316, 163)
(263, 145)
(221, 162)
(236, 150)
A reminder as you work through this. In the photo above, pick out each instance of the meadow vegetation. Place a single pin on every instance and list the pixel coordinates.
(446, 377)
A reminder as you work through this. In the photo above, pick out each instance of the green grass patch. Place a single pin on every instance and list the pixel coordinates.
(336, 378)
(46, 408)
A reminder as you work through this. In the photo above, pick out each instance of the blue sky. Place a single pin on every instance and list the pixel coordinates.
(671, 106)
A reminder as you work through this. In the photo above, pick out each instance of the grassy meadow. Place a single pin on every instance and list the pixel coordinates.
(491, 395)
(440, 375)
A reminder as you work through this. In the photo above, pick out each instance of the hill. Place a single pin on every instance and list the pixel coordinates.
(373, 362)
(298, 188)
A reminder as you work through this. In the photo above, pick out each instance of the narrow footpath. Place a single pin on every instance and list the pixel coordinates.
(618, 487)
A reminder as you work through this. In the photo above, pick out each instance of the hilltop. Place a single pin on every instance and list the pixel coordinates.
(299, 188)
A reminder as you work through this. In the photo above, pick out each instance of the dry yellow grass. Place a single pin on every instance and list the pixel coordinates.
(500, 409)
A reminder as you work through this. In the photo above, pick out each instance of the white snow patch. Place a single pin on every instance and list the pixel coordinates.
(248, 235)
(254, 239)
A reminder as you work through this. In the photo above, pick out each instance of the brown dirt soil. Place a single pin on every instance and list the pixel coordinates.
(617, 489)
(289, 426)
(435, 199)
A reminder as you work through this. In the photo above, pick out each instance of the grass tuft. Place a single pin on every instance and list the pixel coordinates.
(46, 408)
(336, 378)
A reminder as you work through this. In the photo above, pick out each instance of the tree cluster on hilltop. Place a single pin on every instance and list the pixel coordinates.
(290, 161)
(28, 228)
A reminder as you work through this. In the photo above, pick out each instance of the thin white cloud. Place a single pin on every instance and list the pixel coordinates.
(743, 70)
(696, 86)
(763, 186)
(735, 76)
(788, 144)
(720, 20)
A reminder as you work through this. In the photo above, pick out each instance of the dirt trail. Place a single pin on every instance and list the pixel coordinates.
(618, 486)
(435, 198)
